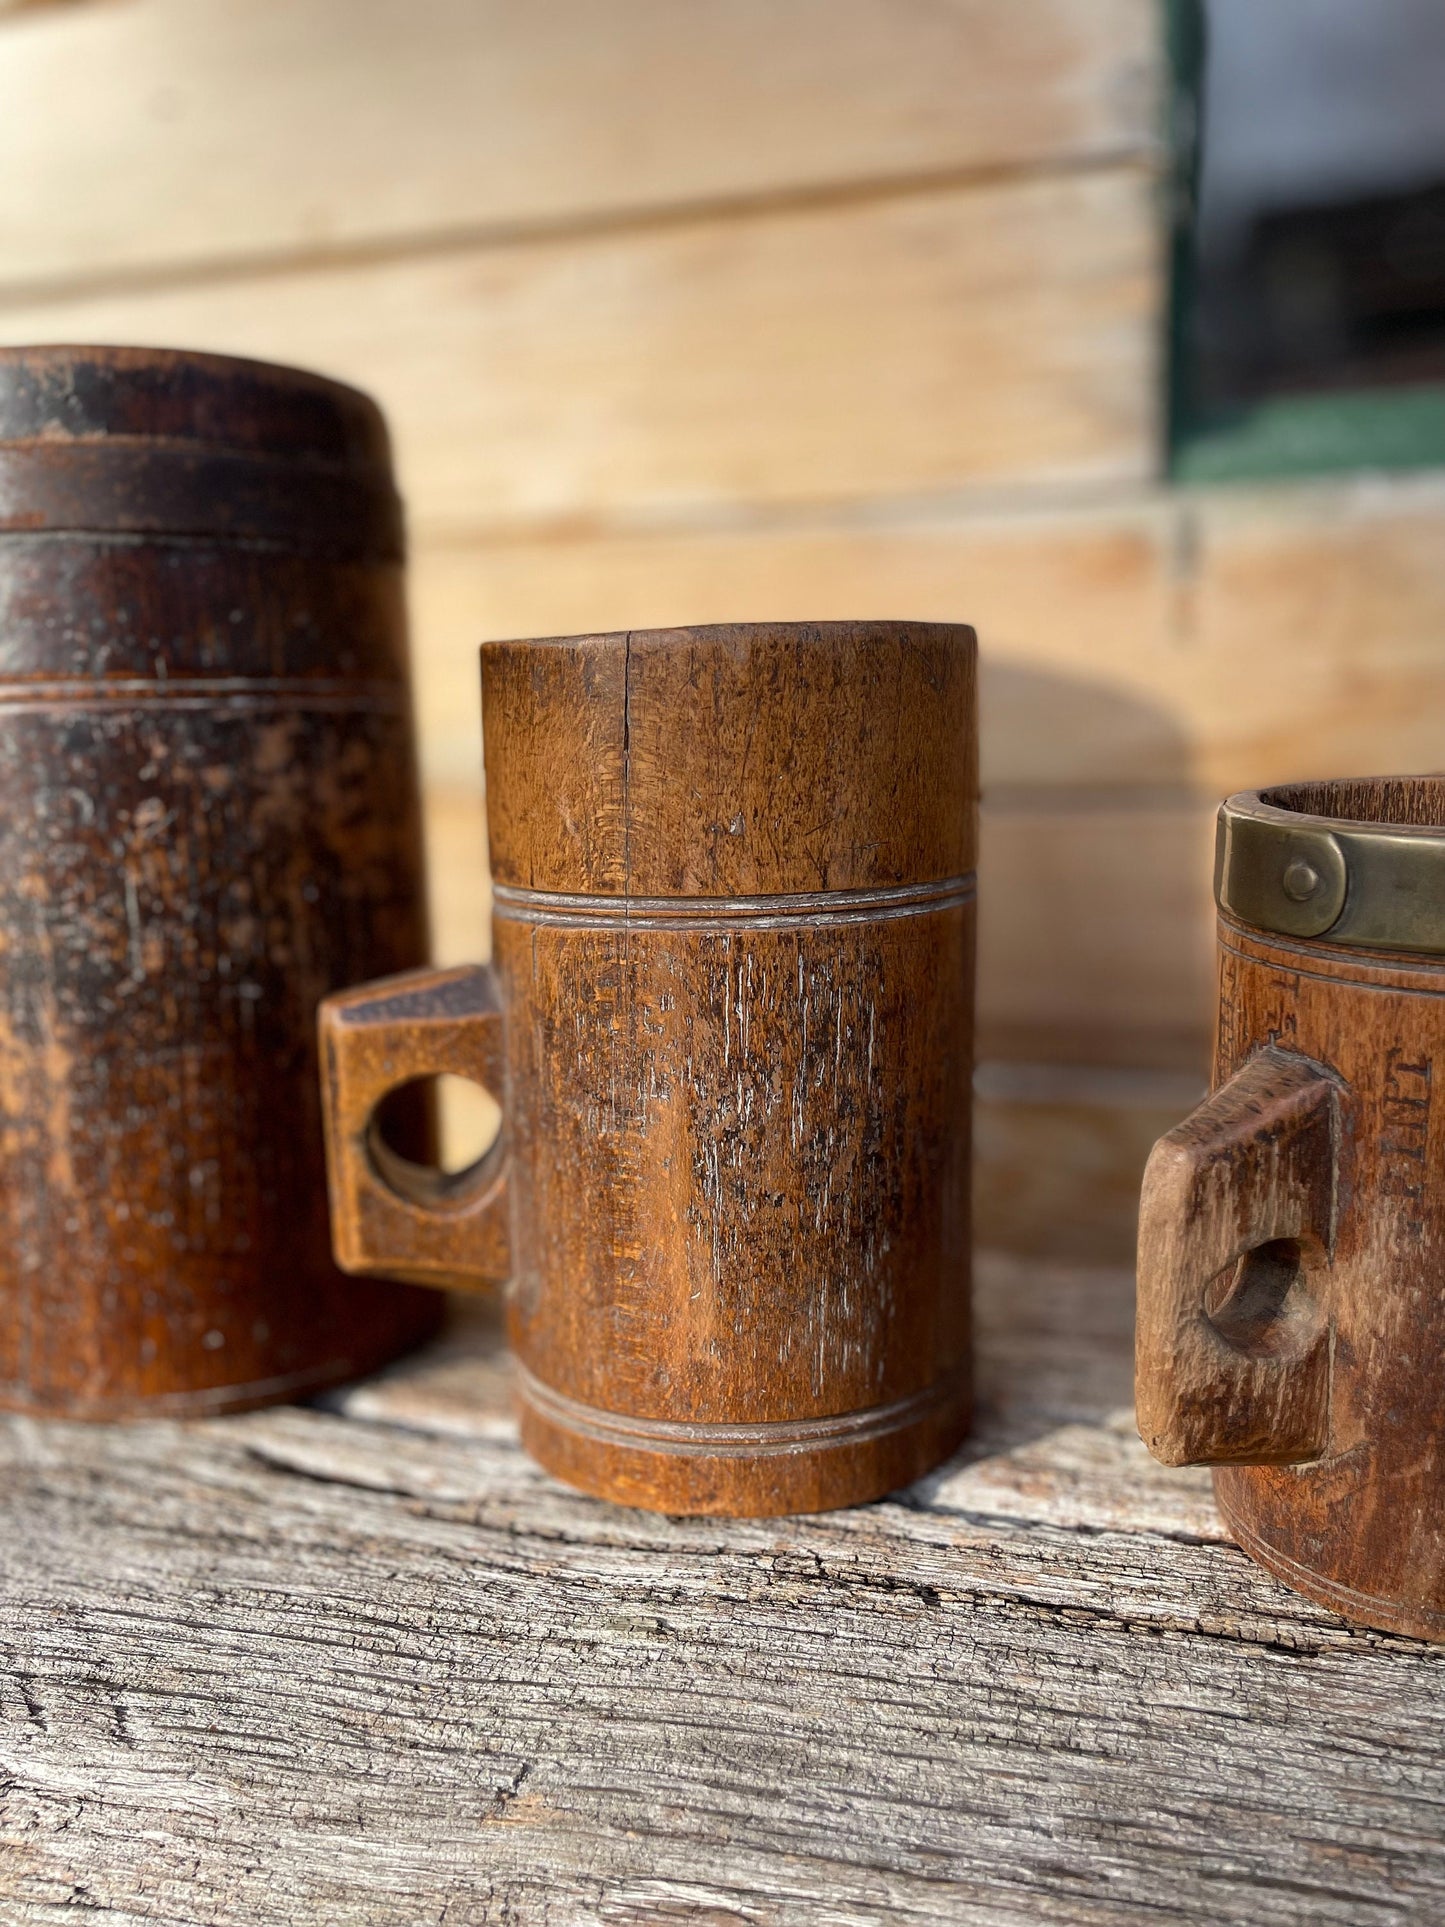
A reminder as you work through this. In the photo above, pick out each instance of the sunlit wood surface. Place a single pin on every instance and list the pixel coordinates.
(365, 1663)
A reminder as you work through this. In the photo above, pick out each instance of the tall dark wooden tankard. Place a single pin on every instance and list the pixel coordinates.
(208, 819)
(730, 1023)
(1292, 1240)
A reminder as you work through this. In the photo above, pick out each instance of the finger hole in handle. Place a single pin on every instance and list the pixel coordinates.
(458, 1115)
(1235, 1239)
(1263, 1305)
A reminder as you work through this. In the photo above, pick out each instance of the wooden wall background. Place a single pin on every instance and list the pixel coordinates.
(685, 310)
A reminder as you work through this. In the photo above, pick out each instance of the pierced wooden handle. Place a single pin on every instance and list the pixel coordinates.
(1236, 1222)
(390, 1217)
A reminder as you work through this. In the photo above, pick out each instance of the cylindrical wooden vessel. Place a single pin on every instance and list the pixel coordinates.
(1291, 1321)
(208, 819)
(730, 1020)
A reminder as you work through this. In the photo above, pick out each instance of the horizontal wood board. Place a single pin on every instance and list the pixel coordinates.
(998, 334)
(367, 1664)
(163, 136)
(1158, 645)
(1059, 1151)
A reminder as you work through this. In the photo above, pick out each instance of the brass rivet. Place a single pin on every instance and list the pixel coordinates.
(1301, 880)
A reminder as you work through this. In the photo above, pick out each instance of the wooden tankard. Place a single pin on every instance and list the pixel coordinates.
(1291, 1318)
(210, 818)
(729, 1020)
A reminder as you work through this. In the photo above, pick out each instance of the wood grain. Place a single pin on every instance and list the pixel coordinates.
(1235, 1352)
(379, 1668)
(975, 337)
(1092, 947)
(211, 819)
(730, 1025)
(129, 134)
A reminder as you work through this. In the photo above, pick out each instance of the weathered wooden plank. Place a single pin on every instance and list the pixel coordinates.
(1094, 1477)
(460, 898)
(1337, 590)
(307, 1664)
(1059, 1152)
(180, 133)
(1073, 607)
(1095, 934)
(459, 883)
(262, 1696)
(1170, 642)
(970, 337)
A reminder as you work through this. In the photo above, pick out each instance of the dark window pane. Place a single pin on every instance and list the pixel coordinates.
(1320, 235)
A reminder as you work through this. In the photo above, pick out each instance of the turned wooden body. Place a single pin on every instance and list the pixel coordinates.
(1291, 1319)
(210, 819)
(731, 1017)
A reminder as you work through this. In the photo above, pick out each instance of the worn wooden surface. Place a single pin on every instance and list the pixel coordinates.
(1058, 1150)
(211, 819)
(369, 1664)
(732, 989)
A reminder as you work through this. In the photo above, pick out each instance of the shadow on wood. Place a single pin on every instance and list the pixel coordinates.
(1054, 1352)
(1095, 967)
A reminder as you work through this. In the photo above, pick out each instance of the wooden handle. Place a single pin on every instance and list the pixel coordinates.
(388, 1216)
(1236, 1223)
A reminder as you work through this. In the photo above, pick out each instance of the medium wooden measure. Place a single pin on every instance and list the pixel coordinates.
(729, 1019)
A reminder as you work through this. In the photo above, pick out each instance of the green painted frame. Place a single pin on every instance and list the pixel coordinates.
(1394, 427)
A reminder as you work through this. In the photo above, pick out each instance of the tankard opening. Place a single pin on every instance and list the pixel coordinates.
(1404, 802)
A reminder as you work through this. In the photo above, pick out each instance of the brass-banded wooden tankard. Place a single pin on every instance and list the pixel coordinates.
(729, 1020)
(1292, 1243)
(210, 818)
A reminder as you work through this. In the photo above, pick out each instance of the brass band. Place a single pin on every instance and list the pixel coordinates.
(1374, 885)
